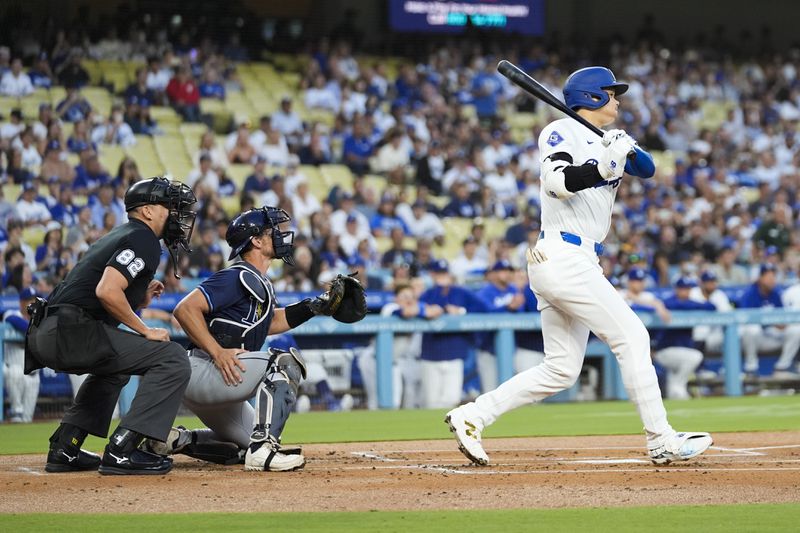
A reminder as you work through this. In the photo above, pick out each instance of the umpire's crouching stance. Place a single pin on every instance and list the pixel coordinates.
(76, 332)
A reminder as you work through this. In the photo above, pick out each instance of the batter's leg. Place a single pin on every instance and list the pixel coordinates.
(525, 359)
(600, 307)
(565, 341)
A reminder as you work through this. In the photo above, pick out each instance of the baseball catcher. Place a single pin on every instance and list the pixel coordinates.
(227, 319)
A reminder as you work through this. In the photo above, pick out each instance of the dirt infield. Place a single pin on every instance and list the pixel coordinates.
(524, 473)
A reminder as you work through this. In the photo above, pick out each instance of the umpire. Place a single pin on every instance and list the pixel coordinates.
(76, 331)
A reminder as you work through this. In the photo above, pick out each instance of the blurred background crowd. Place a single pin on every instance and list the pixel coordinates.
(390, 156)
(423, 157)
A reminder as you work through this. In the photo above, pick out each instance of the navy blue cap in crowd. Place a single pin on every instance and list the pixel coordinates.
(685, 282)
(27, 293)
(636, 274)
(502, 264)
(439, 265)
(708, 275)
(766, 267)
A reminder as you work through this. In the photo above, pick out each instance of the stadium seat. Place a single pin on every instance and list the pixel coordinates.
(110, 156)
(12, 192)
(382, 244)
(99, 98)
(664, 160)
(220, 115)
(338, 175)
(30, 106)
(33, 236)
(95, 71)
(316, 181)
(164, 115)
(439, 201)
(231, 205)
(238, 173)
(376, 183)
(7, 104)
(495, 228)
(57, 94)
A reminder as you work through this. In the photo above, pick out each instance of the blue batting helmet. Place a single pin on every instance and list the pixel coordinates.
(256, 222)
(587, 88)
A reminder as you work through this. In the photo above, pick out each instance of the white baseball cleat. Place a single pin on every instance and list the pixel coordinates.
(468, 436)
(268, 457)
(681, 447)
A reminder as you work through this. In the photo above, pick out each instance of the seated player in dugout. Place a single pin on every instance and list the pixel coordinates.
(227, 319)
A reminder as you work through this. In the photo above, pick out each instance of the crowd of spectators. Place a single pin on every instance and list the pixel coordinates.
(438, 134)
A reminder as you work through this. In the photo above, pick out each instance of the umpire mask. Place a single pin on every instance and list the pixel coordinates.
(178, 199)
(255, 222)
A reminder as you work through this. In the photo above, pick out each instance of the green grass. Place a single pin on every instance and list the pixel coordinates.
(709, 519)
(596, 418)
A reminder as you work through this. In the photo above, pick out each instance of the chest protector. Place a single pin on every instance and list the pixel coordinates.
(250, 331)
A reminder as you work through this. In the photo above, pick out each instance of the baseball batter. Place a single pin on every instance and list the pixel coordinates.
(579, 181)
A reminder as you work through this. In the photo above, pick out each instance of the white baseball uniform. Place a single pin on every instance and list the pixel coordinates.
(574, 296)
(791, 343)
(405, 368)
(22, 390)
(711, 336)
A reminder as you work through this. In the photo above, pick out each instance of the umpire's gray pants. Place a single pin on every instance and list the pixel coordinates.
(224, 408)
(164, 373)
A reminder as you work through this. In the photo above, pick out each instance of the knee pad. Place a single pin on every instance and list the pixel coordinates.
(291, 364)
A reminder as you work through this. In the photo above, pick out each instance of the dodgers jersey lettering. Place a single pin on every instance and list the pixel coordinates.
(588, 213)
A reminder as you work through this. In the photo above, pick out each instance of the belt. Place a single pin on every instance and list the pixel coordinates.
(55, 309)
(579, 241)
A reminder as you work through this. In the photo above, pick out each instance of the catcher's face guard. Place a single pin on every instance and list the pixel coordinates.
(256, 222)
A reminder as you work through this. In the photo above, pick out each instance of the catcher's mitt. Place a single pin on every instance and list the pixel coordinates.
(344, 300)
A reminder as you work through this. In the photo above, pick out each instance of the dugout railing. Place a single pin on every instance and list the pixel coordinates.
(504, 324)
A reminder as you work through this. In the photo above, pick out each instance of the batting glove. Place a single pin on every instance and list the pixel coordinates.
(612, 161)
(611, 135)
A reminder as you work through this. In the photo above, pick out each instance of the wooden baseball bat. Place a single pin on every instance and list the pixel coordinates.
(536, 89)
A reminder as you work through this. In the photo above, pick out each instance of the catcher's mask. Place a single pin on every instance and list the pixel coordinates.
(255, 222)
(178, 199)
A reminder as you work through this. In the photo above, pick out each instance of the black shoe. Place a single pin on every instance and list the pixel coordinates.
(136, 462)
(65, 458)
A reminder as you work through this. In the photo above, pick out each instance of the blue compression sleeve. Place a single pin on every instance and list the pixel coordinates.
(642, 165)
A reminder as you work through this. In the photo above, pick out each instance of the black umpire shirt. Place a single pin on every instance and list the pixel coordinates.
(132, 249)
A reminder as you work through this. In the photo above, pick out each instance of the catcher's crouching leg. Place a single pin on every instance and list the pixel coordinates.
(198, 444)
(275, 398)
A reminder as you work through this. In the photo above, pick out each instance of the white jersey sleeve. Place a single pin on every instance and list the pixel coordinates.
(791, 297)
(553, 141)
